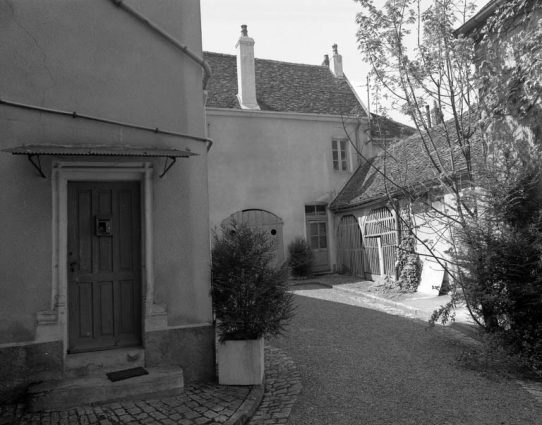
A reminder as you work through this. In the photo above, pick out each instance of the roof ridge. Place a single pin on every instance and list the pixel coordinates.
(269, 60)
(283, 86)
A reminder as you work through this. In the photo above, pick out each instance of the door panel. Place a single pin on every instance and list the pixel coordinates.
(104, 243)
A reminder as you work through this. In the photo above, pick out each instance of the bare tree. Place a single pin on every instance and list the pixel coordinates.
(477, 128)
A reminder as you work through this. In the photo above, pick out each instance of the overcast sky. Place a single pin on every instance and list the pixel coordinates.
(300, 31)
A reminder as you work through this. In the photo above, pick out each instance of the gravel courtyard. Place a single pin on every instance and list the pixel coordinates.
(363, 366)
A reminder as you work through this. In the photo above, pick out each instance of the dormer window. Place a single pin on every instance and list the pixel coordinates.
(340, 154)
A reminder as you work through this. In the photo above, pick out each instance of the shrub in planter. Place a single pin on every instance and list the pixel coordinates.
(250, 298)
(300, 257)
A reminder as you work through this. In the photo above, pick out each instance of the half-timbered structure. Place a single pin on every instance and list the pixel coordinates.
(367, 210)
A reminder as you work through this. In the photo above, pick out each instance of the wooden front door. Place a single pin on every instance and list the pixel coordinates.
(104, 257)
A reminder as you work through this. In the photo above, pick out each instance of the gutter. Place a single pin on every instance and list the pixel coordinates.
(75, 115)
(198, 59)
(479, 19)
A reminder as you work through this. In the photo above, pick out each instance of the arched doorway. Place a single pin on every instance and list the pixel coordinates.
(380, 242)
(349, 247)
(265, 221)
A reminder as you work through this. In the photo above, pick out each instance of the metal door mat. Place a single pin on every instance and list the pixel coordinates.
(119, 375)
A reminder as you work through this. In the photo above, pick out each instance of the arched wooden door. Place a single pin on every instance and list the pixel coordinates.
(380, 242)
(349, 247)
(263, 220)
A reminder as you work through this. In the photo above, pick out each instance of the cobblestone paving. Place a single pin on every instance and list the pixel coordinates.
(282, 385)
(199, 404)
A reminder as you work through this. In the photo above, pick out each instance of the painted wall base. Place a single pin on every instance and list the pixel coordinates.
(25, 364)
(241, 362)
(190, 347)
(432, 277)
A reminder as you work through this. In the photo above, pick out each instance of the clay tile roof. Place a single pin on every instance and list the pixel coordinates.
(283, 87)
(388, 129)
(408, 164)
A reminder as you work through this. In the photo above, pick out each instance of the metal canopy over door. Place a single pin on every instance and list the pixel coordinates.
(265, 221)
(104, 257)
(380, 242)
(349, 247)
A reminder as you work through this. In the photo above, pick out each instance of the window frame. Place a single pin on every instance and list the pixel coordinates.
(342, 163)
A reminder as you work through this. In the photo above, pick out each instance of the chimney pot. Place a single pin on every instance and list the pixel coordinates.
(428, 116)
(326, 60)
(438, 118)
(244, 31)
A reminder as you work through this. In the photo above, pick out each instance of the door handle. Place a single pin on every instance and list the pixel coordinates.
(72, 265)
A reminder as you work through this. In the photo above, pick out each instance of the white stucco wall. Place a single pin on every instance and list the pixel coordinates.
(278, 162)
(94, 58)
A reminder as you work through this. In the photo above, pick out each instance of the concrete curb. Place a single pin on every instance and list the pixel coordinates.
(378, 300)
(249, 406)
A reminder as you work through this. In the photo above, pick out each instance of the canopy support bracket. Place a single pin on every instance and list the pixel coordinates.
(37, 165)
(168, 166)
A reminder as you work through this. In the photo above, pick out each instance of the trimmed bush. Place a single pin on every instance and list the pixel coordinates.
(250, 298)
(300, 257)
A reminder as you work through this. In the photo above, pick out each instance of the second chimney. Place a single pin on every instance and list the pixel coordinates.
(336, 64)
(246, 72)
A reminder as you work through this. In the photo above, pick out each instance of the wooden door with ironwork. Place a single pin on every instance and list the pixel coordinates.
(265, 221)
(104, 259)
(349, 247)
(380, 241)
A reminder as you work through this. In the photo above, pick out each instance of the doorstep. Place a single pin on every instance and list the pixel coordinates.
(100, 362)
(93, 389)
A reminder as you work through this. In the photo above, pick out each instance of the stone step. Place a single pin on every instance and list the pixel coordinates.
(69, 393)
(100, 362)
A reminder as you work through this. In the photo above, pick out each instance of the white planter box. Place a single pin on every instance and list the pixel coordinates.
(241, 362)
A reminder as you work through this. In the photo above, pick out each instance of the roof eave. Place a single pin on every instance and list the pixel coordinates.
(479, 19)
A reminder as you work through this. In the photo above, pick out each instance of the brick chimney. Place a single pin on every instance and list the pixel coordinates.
(246, 74)
(336, 64)
(438, 118)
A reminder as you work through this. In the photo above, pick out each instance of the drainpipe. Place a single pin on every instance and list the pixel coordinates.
(199, 60)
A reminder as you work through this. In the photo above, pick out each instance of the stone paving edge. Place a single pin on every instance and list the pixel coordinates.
(376, 299)
(464, 328)
(245, 412)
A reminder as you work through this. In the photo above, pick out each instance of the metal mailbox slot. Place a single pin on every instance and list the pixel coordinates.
(103, 226)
